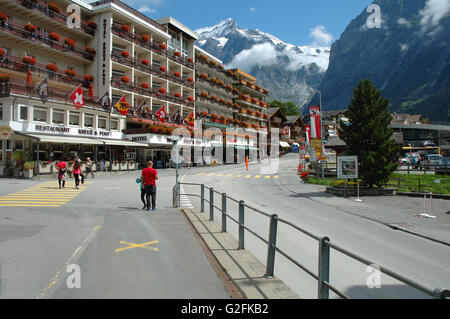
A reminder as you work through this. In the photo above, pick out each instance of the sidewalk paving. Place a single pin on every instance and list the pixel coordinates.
(397, 212)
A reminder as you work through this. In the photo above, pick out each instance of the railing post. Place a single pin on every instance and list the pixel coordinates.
(211, 204)
(202, 199)
(271, 246)
(224, 212)
(241, 225)
(324, 268)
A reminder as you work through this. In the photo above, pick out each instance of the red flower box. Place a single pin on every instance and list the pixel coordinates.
(2, 52)
(29, 60)
(221, 66)
(162, 46)
(125, 54)
(222, 101)
(203, 75)
(70, 72)
(177, 74)
(3, 17)
(178, 54)
(214, 116)
(145, 62)
(191, 80)
(213, 62)
(89, 50)
(145, 38)
(4, 78)
(30, 27)
(88, 78)
(178, 95)
(203, 57)
(204, 94)
(214, 98)
(125, 79)
(190, 99)
(145, 85)
(54, 36)
(70, 42)
(92, 25)
(162, 91)
(125, 28)
(162, 69)
(190, 60)
(52, 67)
(53, 7)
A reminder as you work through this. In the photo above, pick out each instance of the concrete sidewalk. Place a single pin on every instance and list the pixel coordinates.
(398, 212)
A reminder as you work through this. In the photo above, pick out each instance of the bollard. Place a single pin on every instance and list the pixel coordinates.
(271, 246)
(211, 204)
(241, 224)
(324, 268)
(224, 213)
(202, 200)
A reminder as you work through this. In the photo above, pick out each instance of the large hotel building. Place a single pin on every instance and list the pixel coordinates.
(114, 53)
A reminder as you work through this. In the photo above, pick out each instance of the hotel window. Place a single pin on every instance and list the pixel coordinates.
(102, 122)
(114, 125)
(88, 120)
(39, 114)
(74, 118)
(23, 113)
(156, 63)
(1, 111)
(58, 117)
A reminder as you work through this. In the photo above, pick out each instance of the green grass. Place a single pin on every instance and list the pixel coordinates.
(408, 183)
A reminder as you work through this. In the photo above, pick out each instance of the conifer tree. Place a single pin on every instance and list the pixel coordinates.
(369, 135)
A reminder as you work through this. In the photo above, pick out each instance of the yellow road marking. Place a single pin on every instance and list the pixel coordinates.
(230, 175)
(134, 245)
(268, 177)
(238, 176)
(201, 174)
(248, 176)
(276, 177)
(220, 175)
(258, 176)
(26, 205)
(211, 174)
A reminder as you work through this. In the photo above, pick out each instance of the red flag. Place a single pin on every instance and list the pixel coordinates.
(77, 98)
(315, 122)
(122, 106)
(161, 114)
(190, 119)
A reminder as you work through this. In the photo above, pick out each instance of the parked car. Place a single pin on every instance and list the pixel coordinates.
(410, 159)
(444, 166)
(431, 161)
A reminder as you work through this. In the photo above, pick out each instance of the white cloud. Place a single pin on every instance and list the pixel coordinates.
(320, 36)
(260, 54)
(404, 47)
(403, 21)
(252, 9)
(146, 9)
(433, 12)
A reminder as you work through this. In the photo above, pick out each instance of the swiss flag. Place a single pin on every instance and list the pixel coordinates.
(308, 134)
(161, 114)
(77, 98)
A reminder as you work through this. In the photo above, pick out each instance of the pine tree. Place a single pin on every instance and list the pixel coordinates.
(368, 134)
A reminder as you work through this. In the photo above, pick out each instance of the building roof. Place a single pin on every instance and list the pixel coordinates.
(178, 25)
(275, 110)
(244, 75)
(335, 141)
(209, 55)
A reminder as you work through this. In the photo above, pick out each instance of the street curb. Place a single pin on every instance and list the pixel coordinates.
(438, 196)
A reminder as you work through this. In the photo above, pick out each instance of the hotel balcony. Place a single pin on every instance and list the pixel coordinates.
(252, 103)
(254, 115)
(152, 46)
(16, 65)
(150, 92)
(40, 10)
(116, 56)
(216, 103)
(253, 89)
(219, 69)
(41, 41)
(217, 87)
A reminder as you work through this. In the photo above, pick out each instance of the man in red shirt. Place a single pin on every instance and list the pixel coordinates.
(150, 176)
(61, 166)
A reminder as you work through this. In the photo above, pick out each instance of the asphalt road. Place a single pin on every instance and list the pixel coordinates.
(121, 250)
(416, 258)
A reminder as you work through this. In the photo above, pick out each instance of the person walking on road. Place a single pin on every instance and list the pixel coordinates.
(142, 188)
(77, 171)
(150, 176)
(62, 167)
(246, 162)
(89, 169)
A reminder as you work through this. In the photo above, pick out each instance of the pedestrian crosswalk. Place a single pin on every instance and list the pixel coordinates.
(247, 176)
(45, 194)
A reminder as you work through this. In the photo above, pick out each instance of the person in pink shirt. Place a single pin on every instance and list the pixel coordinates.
(62, 167)
(77, 171)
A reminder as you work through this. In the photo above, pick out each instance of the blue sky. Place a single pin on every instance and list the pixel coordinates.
(290, 20)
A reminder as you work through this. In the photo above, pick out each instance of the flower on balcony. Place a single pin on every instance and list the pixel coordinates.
(162, 46)
(213, 62)
(30, 27)
(162, 69)
(191, 80)
(70, 42)
(178, 54)
(214, 98)
(221, 83)
(4, 78)
(90, 50)
(190, 99)
(204, 113)
(243, 97)
(236, 105)
(266, 91)
(70, 72)
(223, 101)
(236, 90)
(190, 60)
(54, 36)
(88, 77)
(145, 38)
(304, 176)
(53, 7)
(125, 54)
(255, 100)
(214, 80)
(145, 85)
(203, 57)
(2, 52)
(204, 75)
(29, 60)
(125, 79)
(52, 67)
(204, 94)
(145, 62)
(229, 103)
(214, 116)
(229, 87)
(3, 17)
(125, 28)
(177, 74)
(92, 25)
(178, 95)
(162, 91)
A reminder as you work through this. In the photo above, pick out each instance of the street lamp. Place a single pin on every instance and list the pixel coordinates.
(321, 124)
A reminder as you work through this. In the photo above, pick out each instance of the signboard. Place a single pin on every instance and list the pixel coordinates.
(347, 167)
(5, 132)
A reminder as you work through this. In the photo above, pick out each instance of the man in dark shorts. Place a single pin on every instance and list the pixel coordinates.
(150, 176)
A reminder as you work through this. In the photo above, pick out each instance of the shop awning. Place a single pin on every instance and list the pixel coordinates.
(122, 143)
(284, 144)
(64, 139)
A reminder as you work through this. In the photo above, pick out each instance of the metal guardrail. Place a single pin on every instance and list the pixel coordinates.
(323, 272)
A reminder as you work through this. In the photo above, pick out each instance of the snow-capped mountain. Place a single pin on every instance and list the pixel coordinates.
(290, 72)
